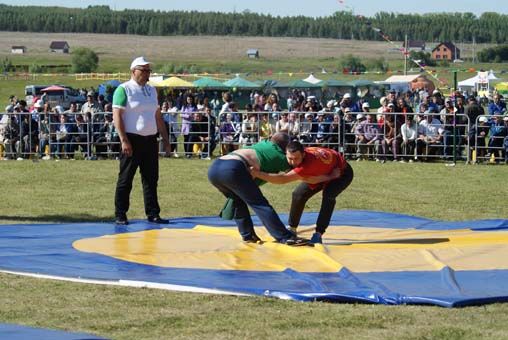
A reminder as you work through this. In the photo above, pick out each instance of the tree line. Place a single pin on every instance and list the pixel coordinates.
(459, 27)
(496, 54)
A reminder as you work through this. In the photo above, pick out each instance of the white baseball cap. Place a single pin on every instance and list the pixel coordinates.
(139, 61)
(347, 95)
(366, 105)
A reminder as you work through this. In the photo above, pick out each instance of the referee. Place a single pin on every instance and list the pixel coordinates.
(137, 120)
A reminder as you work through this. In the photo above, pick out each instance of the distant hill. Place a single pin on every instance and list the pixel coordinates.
(460, 27)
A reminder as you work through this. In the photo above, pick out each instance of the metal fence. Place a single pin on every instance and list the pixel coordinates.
(359, 135)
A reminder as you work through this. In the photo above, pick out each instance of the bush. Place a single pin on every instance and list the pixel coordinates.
(444, 63)
(7, 65)
(194, 69)
(352, 64)
(168, 68)
(84, 60)
(425, 58)
(36, 68)
(378, 64)
(496, 54)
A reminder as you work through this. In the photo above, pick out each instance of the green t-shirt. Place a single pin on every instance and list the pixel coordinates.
(271, 157)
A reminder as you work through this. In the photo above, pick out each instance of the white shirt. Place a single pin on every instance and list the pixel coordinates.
(408, 132)
(433, 129)
(140, 104)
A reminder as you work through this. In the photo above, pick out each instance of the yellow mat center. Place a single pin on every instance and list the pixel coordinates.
(360, 249)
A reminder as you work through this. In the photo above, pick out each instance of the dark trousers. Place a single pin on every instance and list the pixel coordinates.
(233, 179)
(144, 156)
(331, 190)
(187, 144)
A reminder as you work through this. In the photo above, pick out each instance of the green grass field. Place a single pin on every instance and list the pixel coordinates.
(83, 191)
(75, 191)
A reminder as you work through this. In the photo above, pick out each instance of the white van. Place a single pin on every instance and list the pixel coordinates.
(32, 91)
(63, 97)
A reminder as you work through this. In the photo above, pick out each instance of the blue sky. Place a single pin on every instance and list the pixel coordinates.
(289, 7)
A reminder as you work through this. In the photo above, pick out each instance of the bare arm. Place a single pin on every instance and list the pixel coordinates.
(120, 129)
(283, 178)
(280, 178)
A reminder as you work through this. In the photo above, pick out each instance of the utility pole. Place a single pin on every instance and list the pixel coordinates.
(474, 50)
(406, 50)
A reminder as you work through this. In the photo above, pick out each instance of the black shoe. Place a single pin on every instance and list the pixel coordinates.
(297, 242)
(253, 239)
(121, 220)
(157, 220)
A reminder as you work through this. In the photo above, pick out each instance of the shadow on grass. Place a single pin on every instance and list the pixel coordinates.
(57, 218)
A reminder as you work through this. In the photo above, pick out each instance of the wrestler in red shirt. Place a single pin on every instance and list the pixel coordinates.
(319, 169)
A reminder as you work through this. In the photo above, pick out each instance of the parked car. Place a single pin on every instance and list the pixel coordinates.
(54, 95)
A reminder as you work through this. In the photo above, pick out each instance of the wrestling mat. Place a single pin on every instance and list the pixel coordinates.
(366, 256)
(17, 332)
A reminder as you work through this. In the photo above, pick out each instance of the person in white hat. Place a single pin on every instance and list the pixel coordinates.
(384, 105)
(308, 129)
(137, 118)
(347, 101)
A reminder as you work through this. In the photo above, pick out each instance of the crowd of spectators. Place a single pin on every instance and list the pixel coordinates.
(409, 126)
(44, 131)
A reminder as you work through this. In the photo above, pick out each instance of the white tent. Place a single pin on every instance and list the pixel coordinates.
(402, 79)
(402, 83)
(480, 82)
(311, 79)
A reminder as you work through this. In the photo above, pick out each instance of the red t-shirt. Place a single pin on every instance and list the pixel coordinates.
(320, 161)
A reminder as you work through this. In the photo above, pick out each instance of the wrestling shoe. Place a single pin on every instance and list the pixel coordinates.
(253, 239)
(157, 220)
(316, 238)
(296, 241)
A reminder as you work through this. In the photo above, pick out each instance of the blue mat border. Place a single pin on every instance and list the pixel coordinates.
(47, 249)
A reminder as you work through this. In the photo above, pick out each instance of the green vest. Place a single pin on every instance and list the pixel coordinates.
(272, 158)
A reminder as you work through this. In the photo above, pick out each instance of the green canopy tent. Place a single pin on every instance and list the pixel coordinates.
(237, 86)
(302, 84)
(311, 89)
(281, 89)
(240, 83)
(368, 91)
(206, 83)
(336, 89)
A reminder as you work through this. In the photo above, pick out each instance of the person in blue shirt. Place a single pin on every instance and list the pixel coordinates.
(497, 106)
(498, 132)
